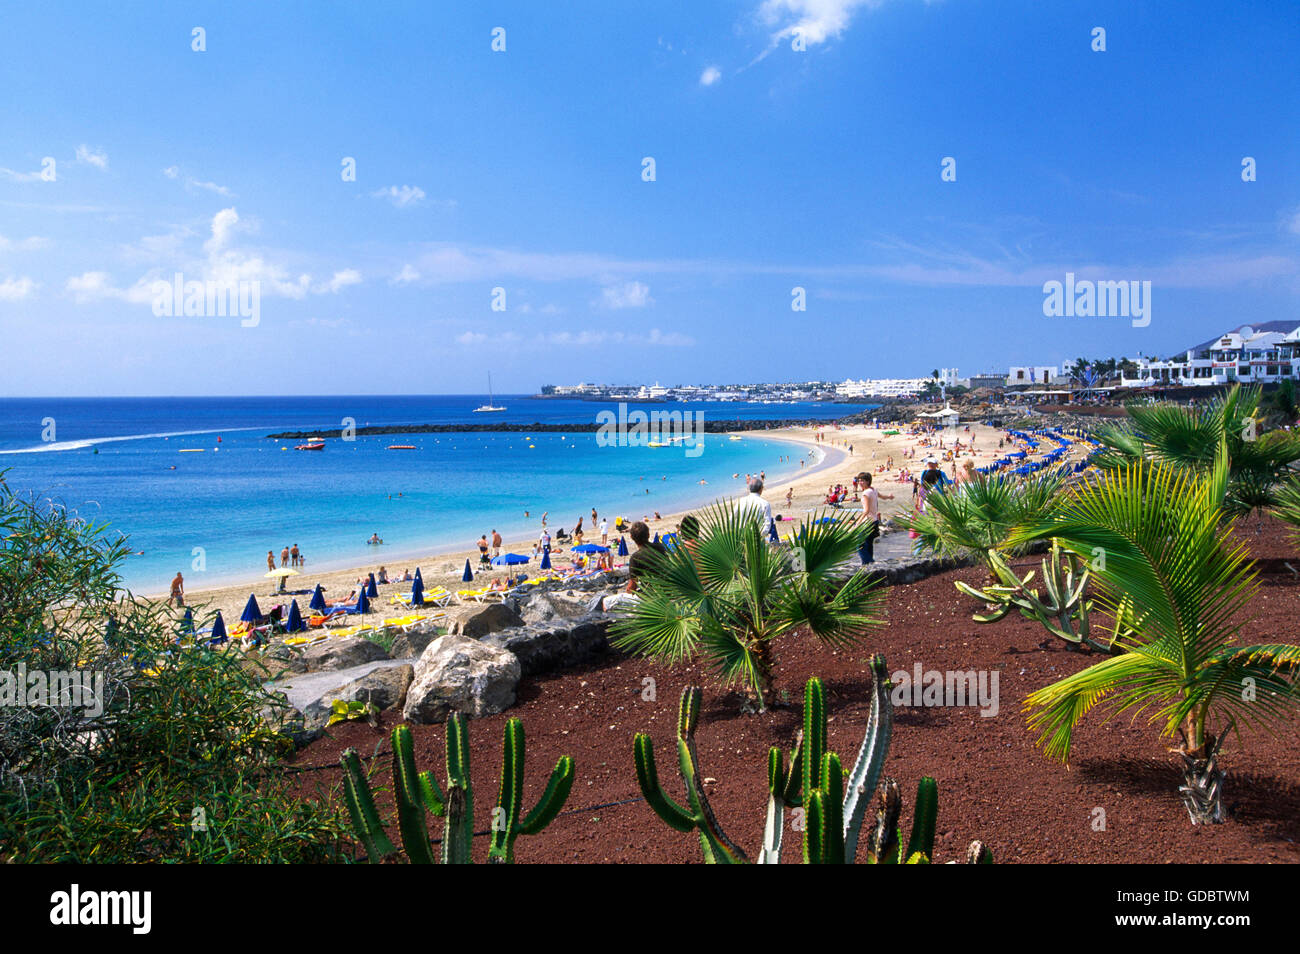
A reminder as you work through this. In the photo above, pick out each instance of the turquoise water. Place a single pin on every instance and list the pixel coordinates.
(213, 515)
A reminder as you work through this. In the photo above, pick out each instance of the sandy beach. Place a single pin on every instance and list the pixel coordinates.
(835, 455)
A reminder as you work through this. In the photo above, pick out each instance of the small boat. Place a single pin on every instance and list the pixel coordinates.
(401, 447)
(192, 450)
(734, 437)
(310, 445)
(489, 406)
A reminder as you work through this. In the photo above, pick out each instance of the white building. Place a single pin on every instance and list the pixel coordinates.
(1034, 375)
(1244, 356)
(882, 387)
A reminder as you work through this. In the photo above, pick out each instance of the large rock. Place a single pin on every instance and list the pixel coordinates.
(385, 686)
(489, 618)
(460, 674)
(340, 654)
(410, 644)
(545, 607)
(309, 695)
(556, 645)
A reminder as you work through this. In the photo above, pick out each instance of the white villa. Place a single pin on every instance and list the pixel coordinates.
(1245, 356)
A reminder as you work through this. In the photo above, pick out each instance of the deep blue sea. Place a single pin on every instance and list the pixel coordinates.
(119, 461)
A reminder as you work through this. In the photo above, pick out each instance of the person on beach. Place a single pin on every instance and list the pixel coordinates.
(270, 560)
(483, 557)
(604, 531)
(871, 513)
(293, 555)
(646, 554)
(382, 575)
(284, 557)
(577, 534)
(496, 544)
(593, 516)
(789, 497)
(753, 502)
(178, 589)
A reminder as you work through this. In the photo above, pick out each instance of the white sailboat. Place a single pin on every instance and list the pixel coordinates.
(489, 406)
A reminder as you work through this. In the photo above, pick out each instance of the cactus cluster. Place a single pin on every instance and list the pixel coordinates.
(813, 780)
(1064, 612)
(415, 794)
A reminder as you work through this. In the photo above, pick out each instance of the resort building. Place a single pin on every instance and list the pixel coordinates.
(1034, 375)
(1245, 355)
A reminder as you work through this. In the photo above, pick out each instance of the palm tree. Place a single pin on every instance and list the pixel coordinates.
(980, 515)
(1180, 582)
(730, 594)
(1190, 436)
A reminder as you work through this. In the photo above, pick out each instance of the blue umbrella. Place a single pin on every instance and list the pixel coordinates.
(317, 599)
(294, 623)
(187, 623)
(363, 602)
(218, 631)
(622, 547)
(546, 560)
(589, 548)
(827, 520)
(371, 589)
(509, 559)
(656, 539)
(252, 614)
(468, 575)
(417, 591)
(419, 578)
(771, 532)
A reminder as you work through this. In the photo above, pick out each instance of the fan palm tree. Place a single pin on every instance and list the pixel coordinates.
(729, 595)
(1190, 436)
(1169, 555)
(980, 515)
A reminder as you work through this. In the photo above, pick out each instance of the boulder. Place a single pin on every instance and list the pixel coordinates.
(340, 654)
(385, 686)
(544, 607)
(544, 647)
(460, 674)
(410, 644)
(309, 695)
(489, 618)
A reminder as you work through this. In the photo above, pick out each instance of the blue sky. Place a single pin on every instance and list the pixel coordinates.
(522, 169)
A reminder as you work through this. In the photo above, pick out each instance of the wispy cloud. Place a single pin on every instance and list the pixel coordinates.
(626, 295)
(16, 289)
(402, 196)
(710, 76)
(654, 338)
(174, 172)
(340, 280)
(87, 155)
(29, 244)
(407, 275)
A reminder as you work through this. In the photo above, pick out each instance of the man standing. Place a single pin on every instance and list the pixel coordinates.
(496, 544)
(284, 557)
(178, 590)
(871, 512)
(604, 532)
(270, 560)
(753, 503)
(293, 555)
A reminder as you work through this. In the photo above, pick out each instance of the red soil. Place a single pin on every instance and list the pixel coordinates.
(994, 784)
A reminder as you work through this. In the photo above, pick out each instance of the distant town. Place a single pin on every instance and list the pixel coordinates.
(1267, 353)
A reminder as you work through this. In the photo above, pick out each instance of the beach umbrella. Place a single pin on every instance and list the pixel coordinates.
(468, 575)
(294, 623)
(252, 614)
(187, 622)
(417, 591)
(509, 559)
(218, 631)
(363, 602)
(317, 599)
(419, 578)
(622, 546)
(771, 532)
(589, 548)
(372, 590)
(656, 539)
(546, 560)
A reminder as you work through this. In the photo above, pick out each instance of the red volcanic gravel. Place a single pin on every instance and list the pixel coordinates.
(994, 784)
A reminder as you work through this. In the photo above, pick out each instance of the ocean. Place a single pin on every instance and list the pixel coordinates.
(196, 486)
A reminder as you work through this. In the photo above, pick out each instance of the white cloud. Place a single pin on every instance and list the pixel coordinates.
(349, 276)
(211, 187)
(1293, 224)
(626, 295)
(710, 76)
(29, 244)
(401, 196)
(171, 172)
(96, 159)
(407, 275)
(579, 339)
(816, 21)
(16, 289)
(15, 176)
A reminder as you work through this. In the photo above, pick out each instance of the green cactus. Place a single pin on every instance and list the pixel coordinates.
(1064, 613)
(415, 794)
(834, 803)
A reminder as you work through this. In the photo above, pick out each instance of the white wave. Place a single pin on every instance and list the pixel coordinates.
(49, 446)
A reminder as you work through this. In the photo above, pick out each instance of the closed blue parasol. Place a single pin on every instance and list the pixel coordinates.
(419, 578)
(317, 599)
(622, 546)
(218, 631)
(187, 621)
(509, 559)
(363, 602)
(656, 539)
(771, 532)
(372, 590)
(468, 575)
(252, 614)
(294, 623)
(417, 591)
(546, 560)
